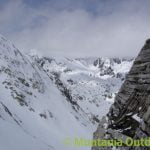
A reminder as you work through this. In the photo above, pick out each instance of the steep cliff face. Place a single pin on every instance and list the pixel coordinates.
(132, 101)
(129, 116)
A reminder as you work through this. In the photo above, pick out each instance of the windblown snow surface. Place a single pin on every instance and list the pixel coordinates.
(45, 100)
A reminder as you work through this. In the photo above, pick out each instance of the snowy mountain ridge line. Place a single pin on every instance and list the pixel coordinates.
(44, 100)
(88, 80)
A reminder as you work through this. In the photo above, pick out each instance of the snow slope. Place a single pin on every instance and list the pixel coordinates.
(34, 115)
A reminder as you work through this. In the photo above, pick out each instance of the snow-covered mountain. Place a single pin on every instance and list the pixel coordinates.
(45, 100)
(91, 82)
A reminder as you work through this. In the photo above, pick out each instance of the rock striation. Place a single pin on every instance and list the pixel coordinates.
(129, 116)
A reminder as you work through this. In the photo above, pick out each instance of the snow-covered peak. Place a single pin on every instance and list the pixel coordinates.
(91, 82)
(6, 47)
(113, 66)
(97, 67)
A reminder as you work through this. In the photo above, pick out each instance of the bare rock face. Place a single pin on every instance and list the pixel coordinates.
(129, 116)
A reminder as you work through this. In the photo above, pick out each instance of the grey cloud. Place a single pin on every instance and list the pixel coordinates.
(119, 29)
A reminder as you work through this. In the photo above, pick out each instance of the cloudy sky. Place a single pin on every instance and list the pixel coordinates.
(77, 27)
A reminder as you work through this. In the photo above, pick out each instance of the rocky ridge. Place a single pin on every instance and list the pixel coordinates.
(129, 116)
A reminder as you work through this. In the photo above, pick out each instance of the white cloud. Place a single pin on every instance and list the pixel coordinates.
(78, 32)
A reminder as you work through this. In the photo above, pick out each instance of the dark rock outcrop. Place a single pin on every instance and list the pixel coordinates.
(129, 116)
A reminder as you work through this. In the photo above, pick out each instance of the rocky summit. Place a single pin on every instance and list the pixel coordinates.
(129, 115)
